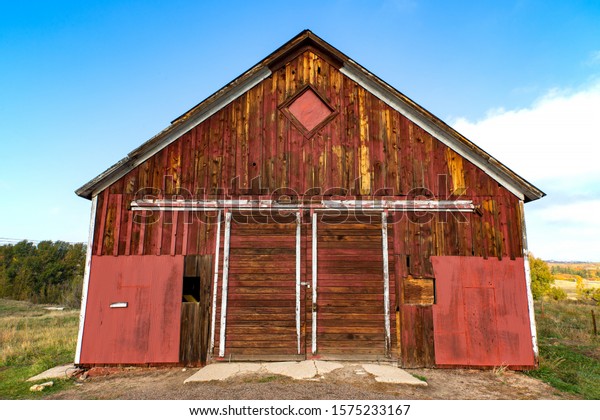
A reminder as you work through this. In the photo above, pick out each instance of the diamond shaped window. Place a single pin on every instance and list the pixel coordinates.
(308, 110)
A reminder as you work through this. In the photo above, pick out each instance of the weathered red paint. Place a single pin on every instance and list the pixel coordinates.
(310, 132)
(481, 317)
(147, 331)
(251, 148)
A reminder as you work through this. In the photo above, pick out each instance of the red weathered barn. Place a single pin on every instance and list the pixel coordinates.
(308, 210)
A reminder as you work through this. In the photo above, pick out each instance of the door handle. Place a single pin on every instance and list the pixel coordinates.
(305, 283)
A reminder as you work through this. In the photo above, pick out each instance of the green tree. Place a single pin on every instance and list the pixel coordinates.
(557, 293)
(50, 272)
(579, 287)
(541, 277)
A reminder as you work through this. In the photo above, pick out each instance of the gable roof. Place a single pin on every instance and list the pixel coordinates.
(388, 94)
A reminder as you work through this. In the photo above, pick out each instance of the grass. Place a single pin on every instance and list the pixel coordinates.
(569, 352)
(32, 340)
(419, 377)
(269, 378)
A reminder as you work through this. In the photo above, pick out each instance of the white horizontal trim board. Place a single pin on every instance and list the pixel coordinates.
(361, 205)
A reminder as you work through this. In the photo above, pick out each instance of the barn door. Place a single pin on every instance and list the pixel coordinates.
(268, 307)
(134, 316)
(261, 316)
(352, 288)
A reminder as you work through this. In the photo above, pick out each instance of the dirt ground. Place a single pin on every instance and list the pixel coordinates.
(342, 384)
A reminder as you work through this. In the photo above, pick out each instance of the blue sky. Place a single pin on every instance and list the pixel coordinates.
(83, 83)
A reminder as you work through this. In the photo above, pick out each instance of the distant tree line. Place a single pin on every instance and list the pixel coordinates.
(49, 272)
(576, 271)
(543, 277)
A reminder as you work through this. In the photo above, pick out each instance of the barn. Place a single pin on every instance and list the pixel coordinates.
(308, 210)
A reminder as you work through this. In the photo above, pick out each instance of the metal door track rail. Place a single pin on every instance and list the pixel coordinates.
(465, 206)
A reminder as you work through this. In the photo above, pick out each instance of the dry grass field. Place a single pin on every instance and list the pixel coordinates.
(33, 339)
(570, 286)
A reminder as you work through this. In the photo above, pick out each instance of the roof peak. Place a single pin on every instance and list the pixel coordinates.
(263, 69)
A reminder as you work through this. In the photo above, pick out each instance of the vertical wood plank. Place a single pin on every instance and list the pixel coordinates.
(103, 198)
(117, 223)
(205, 267)
(174, 234)
(125, 219)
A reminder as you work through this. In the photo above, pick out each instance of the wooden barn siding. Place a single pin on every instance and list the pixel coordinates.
(251, 148)
(367, 149)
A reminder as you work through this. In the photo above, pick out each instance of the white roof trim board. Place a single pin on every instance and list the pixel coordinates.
(415, 113)
(166, 137)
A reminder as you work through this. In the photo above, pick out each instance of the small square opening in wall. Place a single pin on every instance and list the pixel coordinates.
(191, 289)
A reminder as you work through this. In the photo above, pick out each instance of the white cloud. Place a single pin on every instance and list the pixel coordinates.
(565, 230)
(554, 144)
(580, 213)
(568, 232)
(559, 136)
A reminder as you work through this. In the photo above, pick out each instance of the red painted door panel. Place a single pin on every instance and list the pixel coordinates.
(481, 331)
(481, 315)
(147, 330)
